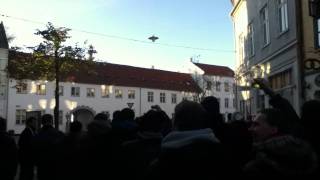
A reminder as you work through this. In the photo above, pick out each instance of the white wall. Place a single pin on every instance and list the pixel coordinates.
(32, 102)
(3, 82)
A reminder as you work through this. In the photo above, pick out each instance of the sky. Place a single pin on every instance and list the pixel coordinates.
(204, 24)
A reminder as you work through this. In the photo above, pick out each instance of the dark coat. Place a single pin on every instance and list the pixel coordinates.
(9, 157)
(47, 144)
(195, 154)
(282, 156)
(26, 154)
(139, 153)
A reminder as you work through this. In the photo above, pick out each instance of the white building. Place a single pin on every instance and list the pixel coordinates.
(3, 73)
(112, 88)
(216, 81)
(267, 44)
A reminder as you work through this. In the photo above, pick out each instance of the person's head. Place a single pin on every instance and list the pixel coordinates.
(101, 117)
(75, 126)
(3, 124)
(153, 121)
(116, 115)
(127, 114)
(211, 105)
(268, 123)
(189, 116)
(30, 122)
(47, 120)
(237, 116)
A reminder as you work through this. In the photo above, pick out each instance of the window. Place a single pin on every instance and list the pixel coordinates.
(118, 93)
(75, 91)
(150, 96)
(60, 117)
(41, 89)
(90, 92)
(60, 90)
(218, 84)
(283, 15)
(226, 103)
(226, 87)
(105, 93)
(317, 37)
(131, 94)
(250, 40)
(281, 80)
(22, 88)
(162, 97)
(209, 84)
(174, 98)
(20, 116)
(241, 48)
(265, 25)
(234, 103)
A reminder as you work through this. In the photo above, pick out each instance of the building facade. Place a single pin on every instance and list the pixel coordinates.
(112, 87)
(267, 46)
(310, 24)
(216, 81)
(3, 72)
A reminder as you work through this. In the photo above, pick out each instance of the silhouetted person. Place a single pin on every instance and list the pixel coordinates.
(292, 123)
(277, 153)
(310, 120)
(191, 150)
(124, 126)
(215, 118)
(26, 154)
(139, 153)
(47, 147)
(8, 152)
(99, 150)
(71, 152)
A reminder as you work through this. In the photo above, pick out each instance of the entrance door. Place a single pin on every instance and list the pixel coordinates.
(37, 115)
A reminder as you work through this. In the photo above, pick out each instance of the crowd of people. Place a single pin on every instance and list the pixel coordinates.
(195, 144)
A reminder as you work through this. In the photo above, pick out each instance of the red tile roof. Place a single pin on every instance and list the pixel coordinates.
(123, 75)
(215, 70)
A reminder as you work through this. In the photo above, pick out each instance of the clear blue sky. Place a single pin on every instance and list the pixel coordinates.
(196, 23)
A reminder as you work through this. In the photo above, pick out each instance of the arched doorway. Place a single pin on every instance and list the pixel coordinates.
(83, 114)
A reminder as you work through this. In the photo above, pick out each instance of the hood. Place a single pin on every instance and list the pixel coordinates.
(180, 139)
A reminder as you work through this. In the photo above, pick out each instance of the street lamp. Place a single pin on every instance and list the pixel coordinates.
(153, 38)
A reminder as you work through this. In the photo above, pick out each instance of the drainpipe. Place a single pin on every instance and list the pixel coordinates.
(140, 103)
(300, 52)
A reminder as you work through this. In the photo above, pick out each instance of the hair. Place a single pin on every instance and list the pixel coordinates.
(189, 116)
(211, 105)
(30, 120)
(75, 126)
(3, 124)
(116, 115)
(154, 121)
(47, 119)
(127, 114)
(101, 117)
